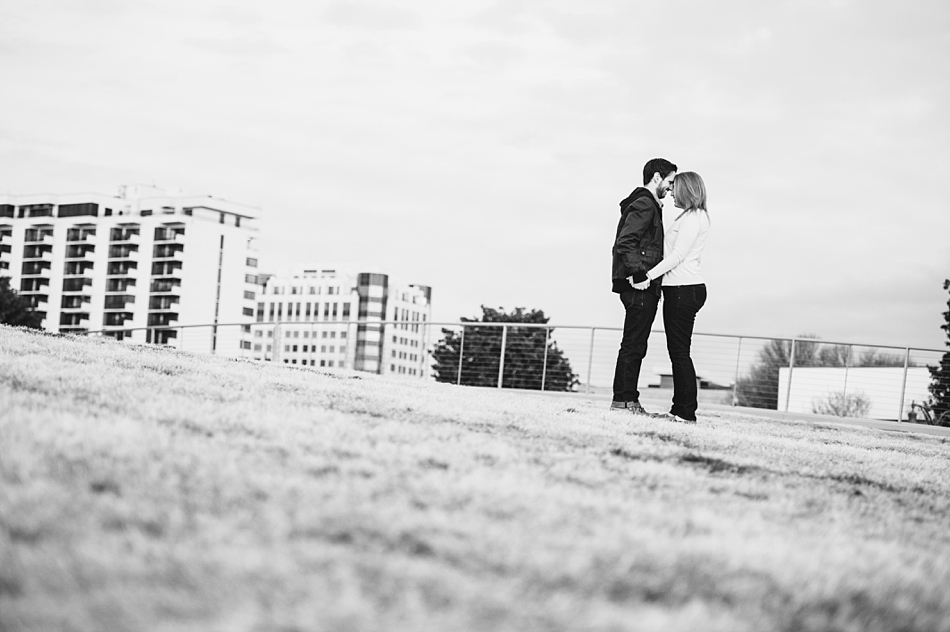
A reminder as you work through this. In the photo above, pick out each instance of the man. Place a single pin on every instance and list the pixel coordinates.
(638, 247)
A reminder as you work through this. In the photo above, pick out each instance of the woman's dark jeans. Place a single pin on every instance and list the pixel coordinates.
(680, 305)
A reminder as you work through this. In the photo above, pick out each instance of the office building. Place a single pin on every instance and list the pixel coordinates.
(332, 316)
(140, 265)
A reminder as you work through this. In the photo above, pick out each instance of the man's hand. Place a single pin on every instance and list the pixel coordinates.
(643, 285)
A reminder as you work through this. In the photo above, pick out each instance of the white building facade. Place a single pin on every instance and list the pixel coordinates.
(889, 391)
(331, 316)
(141, 265)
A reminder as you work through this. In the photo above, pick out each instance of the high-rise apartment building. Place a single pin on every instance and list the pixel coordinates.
(336, 317)
(145, 258)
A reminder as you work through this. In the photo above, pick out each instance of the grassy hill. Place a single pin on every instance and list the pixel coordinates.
(144, 489)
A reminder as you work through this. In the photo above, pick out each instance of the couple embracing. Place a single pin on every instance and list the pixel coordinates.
(649, 263)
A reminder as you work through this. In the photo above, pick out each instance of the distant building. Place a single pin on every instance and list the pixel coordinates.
(143, 258)
(886, 389)
(337, 317)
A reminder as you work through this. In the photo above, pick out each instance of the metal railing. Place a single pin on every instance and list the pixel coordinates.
(792, 374)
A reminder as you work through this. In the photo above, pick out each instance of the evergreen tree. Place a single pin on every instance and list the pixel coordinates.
(524, 354)
(940, 375)
(16, 310)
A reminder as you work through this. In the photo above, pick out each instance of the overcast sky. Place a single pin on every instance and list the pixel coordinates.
(481, 147)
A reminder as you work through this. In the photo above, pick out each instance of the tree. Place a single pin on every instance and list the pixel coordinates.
(940, 375)
(759, 388)
(16, 310)
(480, 351)
(841, 404)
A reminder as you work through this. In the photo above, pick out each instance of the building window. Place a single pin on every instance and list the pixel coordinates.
(248, 311)
(249, 295)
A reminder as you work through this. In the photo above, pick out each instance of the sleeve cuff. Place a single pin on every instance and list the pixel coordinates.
(640, 276)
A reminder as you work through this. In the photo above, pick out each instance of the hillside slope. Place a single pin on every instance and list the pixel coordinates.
(141, 488)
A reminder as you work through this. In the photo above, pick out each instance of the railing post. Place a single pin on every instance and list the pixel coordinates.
(501, 360)
(735, 381)
(590, 356)
(847, 365)
(900, 411)
(458, 378)
(544, 367)
(791, 367)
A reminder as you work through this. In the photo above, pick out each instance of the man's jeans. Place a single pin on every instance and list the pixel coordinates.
(680, 304)
(641, 310)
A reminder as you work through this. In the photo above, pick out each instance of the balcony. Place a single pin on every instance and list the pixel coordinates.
(36, 236)
(38, 253)
(36, 268)
(82, 252)
(120, 268)
(74, 320)
(35, 284)
(126, 236)
(116, 319)
(118, 301)
(163, 319)
(76, 284)
(119, 284)
(37, 302)
(167, 284)
(75, 302)
(160, 336)
(80, 236)
(170, 251)
(167, 269)
(165, 303)
(124, 251)
(170, 234)
(76, 268)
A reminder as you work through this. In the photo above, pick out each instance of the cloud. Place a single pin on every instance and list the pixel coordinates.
(365, 15)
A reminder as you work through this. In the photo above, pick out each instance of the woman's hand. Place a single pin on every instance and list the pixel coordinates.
(642, 285)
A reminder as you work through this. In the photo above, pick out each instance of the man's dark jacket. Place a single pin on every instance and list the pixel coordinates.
(639, 242)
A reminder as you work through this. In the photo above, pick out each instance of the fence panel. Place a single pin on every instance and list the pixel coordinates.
(800, 375)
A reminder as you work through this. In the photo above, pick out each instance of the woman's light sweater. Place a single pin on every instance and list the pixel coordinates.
(683, 245)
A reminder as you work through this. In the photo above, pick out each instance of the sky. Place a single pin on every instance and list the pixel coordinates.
(481, 147)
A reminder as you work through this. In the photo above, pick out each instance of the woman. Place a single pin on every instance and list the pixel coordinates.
(684, 291)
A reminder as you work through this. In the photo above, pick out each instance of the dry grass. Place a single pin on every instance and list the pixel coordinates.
(146, 489)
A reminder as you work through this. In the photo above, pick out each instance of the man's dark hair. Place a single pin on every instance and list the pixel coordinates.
(657, 165)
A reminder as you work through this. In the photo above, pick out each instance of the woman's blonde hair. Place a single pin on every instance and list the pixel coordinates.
(690, 190)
